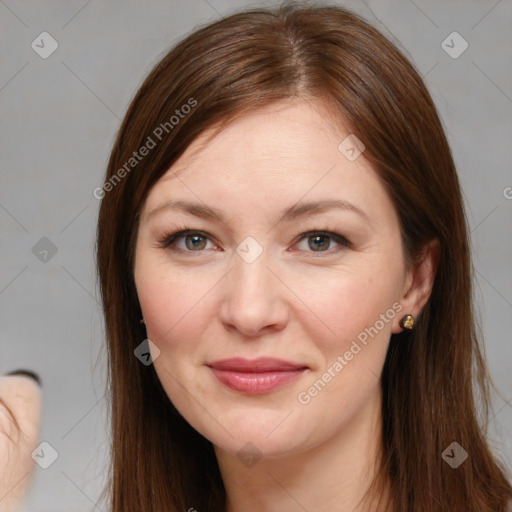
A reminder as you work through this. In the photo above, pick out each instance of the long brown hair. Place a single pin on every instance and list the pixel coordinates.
(433, 375)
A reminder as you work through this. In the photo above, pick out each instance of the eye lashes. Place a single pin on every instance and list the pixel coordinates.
(166, 241)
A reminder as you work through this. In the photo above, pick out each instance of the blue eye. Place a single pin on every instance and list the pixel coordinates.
(196, 245)
(317, 240)
(196, 241)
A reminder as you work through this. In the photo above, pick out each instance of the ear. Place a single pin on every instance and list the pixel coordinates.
(419, 282)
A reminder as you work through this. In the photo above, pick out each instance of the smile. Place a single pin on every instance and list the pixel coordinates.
(258, 376)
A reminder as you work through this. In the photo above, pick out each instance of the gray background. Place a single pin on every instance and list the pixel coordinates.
(59, 116)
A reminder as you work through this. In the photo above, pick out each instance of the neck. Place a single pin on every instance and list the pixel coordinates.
(334, 475)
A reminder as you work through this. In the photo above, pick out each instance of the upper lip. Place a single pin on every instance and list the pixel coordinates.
(262, 364)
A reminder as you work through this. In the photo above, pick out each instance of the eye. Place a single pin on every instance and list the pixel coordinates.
(319, 241)
(196, 241)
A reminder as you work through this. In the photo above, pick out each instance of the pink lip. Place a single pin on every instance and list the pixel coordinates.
(255, 376)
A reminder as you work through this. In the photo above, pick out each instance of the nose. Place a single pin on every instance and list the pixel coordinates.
(254, 301)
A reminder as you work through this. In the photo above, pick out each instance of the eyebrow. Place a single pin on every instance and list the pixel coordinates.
(291, 213)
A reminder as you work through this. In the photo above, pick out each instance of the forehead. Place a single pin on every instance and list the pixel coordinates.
(274, 155)
(275, 135)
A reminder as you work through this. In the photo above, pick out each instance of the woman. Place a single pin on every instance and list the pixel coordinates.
(284, 265)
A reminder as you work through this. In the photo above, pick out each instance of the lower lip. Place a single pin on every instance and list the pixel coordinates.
(256, 383)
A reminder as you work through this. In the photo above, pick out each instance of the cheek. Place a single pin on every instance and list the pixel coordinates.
(179, 305)
(174, 305)
(350, 340)
(344, 306)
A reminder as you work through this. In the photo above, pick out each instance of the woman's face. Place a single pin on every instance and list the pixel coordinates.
(250, 287)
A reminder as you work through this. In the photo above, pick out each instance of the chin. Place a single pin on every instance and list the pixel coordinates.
(259, 434)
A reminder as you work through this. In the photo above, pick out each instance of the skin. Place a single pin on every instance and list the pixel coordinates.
(20, 418)
(295, 302)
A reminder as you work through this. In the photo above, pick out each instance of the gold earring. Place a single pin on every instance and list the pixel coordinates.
(407, 322)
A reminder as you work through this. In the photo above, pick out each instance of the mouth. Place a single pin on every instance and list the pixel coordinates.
(256, 376)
